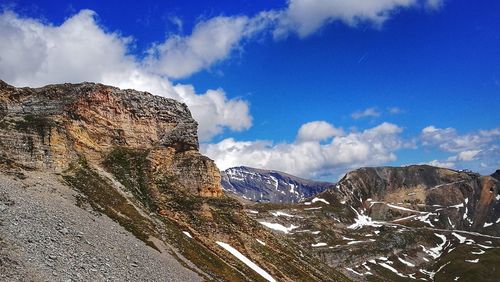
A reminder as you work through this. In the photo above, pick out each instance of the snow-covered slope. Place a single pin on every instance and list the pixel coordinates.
(270, 186)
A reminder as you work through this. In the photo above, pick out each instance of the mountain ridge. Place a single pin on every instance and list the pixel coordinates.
(270, 185)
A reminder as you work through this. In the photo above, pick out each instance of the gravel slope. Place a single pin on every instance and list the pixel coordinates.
(44, 236)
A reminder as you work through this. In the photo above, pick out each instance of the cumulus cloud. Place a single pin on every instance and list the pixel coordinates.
(448, 139)
(312, 159)
(318, 131)
(369, 112)
(444, 164)
(477, 150)
(211, 41)
(468, 155)
(304, 17)
(34, 53)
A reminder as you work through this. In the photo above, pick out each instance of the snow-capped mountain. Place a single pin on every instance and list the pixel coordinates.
(269, 185)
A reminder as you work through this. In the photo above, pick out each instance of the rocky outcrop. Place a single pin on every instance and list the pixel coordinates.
(270, 186)
(455, 199)
(54, 126)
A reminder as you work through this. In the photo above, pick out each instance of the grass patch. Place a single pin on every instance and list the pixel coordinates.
(104, 198)
(129, 166)
(487, 269)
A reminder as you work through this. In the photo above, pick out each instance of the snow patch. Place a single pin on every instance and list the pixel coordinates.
(404, 209)
(406, 262)
(187, 234)
(354, 242)
(486, 224)
(459, 237)
(392, 269)
(480, 252)
(261, 242)
(246, 261)
(472, 260)
(451, 224)
(310, 209)
(362, 220)
(279, 227)
(485, 247)
(321, 244)
(316, 199)
(278, 213)
(425, 219)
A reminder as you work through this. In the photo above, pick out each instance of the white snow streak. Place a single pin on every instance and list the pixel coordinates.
(246, 261)
(320, 200)
(278, 227)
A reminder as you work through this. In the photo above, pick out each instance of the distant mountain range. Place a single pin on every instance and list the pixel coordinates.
(269, 185)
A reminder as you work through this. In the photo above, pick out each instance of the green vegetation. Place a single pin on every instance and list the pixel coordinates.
(129, 167)
(101, 195)
(487, 269)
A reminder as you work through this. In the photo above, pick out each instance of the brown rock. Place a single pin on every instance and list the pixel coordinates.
(53, 126)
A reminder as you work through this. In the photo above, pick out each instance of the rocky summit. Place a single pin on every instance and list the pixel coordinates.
(269, 185)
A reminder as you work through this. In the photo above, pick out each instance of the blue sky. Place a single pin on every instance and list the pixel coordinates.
(367, 82)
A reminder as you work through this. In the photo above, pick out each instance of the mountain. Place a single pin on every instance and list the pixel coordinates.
(269, 186)
(99, 183)
(496, 175)
(399, 224)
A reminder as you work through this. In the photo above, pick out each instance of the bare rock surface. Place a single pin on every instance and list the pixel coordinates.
(45, 236)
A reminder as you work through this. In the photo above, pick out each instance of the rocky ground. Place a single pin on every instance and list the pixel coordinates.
(45, 236)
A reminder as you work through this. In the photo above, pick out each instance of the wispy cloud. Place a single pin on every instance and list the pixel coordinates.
(479, 149)
(394, 110)
(369, 112)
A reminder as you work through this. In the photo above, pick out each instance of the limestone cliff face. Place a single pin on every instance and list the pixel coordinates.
(53, 126)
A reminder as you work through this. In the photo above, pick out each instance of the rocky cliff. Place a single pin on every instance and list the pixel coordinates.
(270, 186)
(84, 165)
(51, 127)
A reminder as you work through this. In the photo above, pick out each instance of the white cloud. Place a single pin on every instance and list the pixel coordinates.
(394, 110)
(477, 150)
(434, 4)
(369, 112)
(33, 53)
(306, 16)
(318, 131)
(448, 139)
(312, 159)
(468, 155)
(210, 42)
(444, 164)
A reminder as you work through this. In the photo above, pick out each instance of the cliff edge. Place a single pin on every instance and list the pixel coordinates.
(51, 127)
